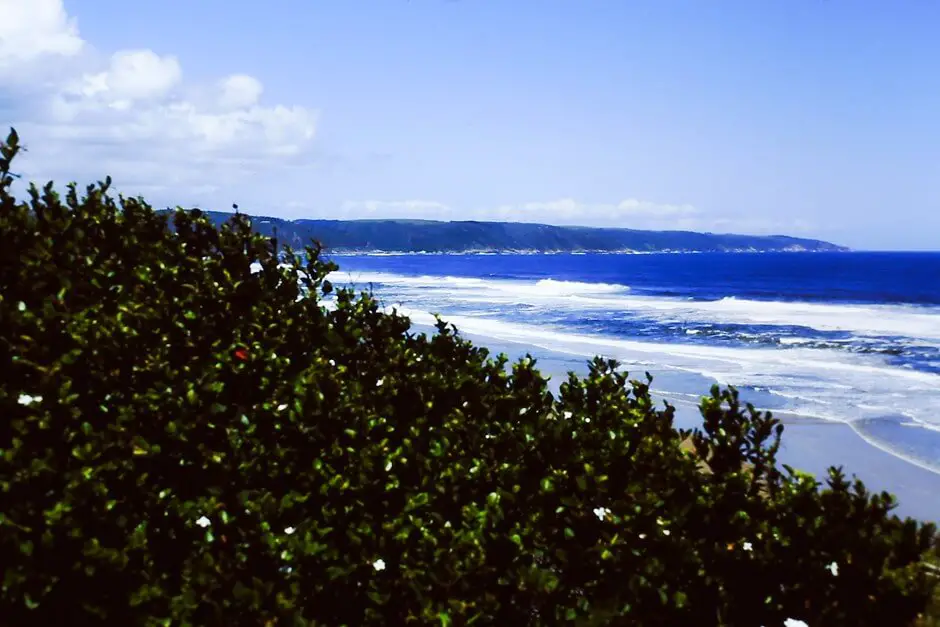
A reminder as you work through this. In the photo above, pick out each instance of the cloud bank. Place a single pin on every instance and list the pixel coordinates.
(132, 113)
(628, 213)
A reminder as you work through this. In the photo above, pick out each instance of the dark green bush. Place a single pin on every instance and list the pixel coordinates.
(191, 439)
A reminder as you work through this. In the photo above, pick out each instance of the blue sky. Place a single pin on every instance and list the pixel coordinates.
(808, 117)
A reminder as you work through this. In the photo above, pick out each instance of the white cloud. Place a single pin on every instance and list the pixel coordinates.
(403, 209)
(564, 211)
(133, 75)
(133, 115)
(30, 29)
(626, 213)
(239, 91)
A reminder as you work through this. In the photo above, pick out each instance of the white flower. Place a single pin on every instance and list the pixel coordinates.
(792, 622)
(332, 363)
(255, 267)
(289, 530)
(388, 465)
(282, 407)
(642, 536)
(834, 569)
(568, 414)
(378, 564)
(601, 512)
(747, 546)
(379, 383)
(203, 522)
(666, 532)
(26, 399)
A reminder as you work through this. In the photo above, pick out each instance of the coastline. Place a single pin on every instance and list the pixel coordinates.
(808, 444)
(340, 252)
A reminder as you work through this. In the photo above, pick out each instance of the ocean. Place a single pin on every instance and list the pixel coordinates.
(848, 339)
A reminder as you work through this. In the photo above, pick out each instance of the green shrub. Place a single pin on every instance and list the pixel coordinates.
(191, 439)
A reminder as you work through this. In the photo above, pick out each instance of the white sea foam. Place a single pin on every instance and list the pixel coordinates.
(477, 287)
(811, 380)
(906, 321)
(823, 384)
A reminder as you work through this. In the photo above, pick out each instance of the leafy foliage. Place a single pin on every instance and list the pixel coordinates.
(931, 616)
(197, 431)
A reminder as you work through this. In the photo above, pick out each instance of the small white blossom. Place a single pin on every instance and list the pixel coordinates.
(26, 399)
(747, 546)
(332, 363)
(282, 407)
(666, 532)
(642, 536)
(203, 522)
(601, 512)
(289, 530)
(568, 414)
(378, 564)
(255, 267)
(792, 622)
(388, 465)
(379, 383)
(834, 569)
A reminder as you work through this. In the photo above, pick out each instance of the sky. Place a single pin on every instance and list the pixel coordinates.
(816, 118)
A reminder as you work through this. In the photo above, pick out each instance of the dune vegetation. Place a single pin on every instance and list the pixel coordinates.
(191, 436)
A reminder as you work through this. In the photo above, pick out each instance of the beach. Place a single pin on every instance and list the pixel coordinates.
(810, 445)
(843, 348)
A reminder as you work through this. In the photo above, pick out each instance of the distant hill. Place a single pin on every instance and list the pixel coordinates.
(404, 236)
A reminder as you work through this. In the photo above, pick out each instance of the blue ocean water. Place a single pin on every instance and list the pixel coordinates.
(852, 338)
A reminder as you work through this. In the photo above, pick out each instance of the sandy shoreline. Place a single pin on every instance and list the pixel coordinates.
(808, 444)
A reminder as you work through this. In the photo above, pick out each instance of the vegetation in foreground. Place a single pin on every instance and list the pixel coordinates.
(189, 436)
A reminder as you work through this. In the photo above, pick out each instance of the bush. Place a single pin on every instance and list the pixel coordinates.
(191, 436)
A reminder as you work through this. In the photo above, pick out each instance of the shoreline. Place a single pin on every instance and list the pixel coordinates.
(808, 444)
(339, 252)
